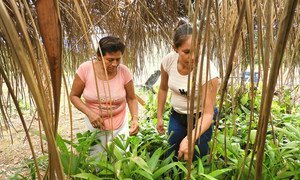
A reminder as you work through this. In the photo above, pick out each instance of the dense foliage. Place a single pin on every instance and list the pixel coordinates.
(143, 156)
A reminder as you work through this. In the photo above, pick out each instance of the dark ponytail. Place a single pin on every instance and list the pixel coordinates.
(181, 32)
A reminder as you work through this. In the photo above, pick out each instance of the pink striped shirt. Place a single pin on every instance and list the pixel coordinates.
(116, 92)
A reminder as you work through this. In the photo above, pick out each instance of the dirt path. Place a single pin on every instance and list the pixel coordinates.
(13, 156)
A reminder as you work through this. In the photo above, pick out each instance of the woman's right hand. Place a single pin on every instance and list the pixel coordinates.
(160, 126)
(96, 120)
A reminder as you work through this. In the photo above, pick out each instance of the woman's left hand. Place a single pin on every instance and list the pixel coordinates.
(183, 149)
(134, 128)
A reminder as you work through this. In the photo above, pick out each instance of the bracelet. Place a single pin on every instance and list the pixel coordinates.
(134, 115)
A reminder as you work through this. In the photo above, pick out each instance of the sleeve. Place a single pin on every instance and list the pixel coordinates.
(166, 63)
(127, 76)
(82, 71)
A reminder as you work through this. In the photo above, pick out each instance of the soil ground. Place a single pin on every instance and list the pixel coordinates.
(14, 148)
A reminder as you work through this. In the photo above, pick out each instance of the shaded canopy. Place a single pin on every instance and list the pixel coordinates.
(143, 24)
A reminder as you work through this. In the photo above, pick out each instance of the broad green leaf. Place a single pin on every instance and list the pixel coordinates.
(106, 173)
(182, 167)
(252, 135)
(246, 110)
(106, 165)
(291, 152)
(175, 172)
(219, 172)
(118, 167)
(244, 99)
(127, 144)
(65, 160)
(152, 163)
(200, 166)
(291, 135)
(293, 129)
(287, 174)
(131, 167)
(118, 153)
(127, 170)
(167, 178)
(167, 160)
(88, 176)
(61, 145)
(120, 143)
(164, 169)
(144, 174)
(208, 176)
(141, 163)
(75, 164)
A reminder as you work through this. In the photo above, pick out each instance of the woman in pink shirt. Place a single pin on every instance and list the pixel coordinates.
(106, 87)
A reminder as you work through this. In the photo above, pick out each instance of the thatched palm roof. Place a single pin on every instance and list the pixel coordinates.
(233, 33)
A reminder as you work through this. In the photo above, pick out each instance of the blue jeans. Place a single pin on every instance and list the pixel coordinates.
(178, 130)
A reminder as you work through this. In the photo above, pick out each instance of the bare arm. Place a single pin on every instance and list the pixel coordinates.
(161, 97)
(208, 103)
(133, 107)
(75, 94)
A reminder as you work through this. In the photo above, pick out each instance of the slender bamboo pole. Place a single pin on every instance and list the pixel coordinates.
(10, 89)
(71, 125)
(228, 71)
(283, 32)
(268, 15)
(191, 94)
(18, 52)
(219, 40)
(251, 52)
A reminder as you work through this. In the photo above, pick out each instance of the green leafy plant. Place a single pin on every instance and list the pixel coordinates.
(144, 156)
